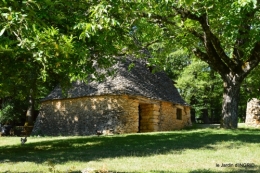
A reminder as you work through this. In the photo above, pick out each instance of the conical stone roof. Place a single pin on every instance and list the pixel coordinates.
(138, 81)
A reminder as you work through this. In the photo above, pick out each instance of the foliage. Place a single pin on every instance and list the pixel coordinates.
(43, 43)
(67, 40)
(6, 114)
(250, 88)
(70, 36)
(225, 35)
(10, 112)
(174, 63)
(54, 40)
(201, 87)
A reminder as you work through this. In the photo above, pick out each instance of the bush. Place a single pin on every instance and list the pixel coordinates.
(8, 114)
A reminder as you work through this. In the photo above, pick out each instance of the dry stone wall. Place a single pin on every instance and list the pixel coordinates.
(149, 117)
(84, 116)
(109, 114)
(168, 118)
(253, 113)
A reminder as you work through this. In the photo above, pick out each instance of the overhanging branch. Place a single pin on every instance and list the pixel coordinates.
(210, 37)
(157, 19)
(220, 68)
(211, 42)
(253, 60)
(243, 32)
(196, 34)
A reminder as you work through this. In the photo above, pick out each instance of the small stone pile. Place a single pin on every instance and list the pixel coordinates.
(253, 113)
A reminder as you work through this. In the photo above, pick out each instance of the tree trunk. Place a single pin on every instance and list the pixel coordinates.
(30, 110)
(205, 116)
(230, 101)
(193, 117)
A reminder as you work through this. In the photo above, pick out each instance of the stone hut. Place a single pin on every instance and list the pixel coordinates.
(253, 113)
(130, 101)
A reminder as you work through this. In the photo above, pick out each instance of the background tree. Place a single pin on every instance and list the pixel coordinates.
(45, 42)
(250, 88)
(68, 39)
(225, 34)
(201, 87)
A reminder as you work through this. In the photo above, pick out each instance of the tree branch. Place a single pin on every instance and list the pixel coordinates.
(150, 43)
(210, 37)
(165, 20)
(158, 18)
(220, 68)
(243, 31)
(185, 14)
(196, 34)
(253, 60)
(211, 42)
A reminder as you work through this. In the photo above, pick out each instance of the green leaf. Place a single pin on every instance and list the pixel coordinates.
(2, 31)
(189, 2)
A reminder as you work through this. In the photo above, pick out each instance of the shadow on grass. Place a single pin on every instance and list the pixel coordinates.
(194, 171)
(236, 171)
(94, 148)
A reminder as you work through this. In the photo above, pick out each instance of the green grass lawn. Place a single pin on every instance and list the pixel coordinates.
(193, 150)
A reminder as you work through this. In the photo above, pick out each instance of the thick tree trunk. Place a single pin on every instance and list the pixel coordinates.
(230, 101)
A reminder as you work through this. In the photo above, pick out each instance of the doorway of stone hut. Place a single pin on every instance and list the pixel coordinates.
(148, 118)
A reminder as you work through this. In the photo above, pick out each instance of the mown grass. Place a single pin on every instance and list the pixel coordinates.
(192, 150)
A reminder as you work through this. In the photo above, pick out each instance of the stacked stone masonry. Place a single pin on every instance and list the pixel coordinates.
(149, 117)
(108, 113)
(253, 113)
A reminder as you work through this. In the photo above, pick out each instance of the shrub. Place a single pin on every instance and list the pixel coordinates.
(8, 114)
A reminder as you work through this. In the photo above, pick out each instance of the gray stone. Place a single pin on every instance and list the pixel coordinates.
(137, 82)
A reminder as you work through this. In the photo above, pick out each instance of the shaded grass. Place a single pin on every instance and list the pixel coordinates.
(193, 150)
